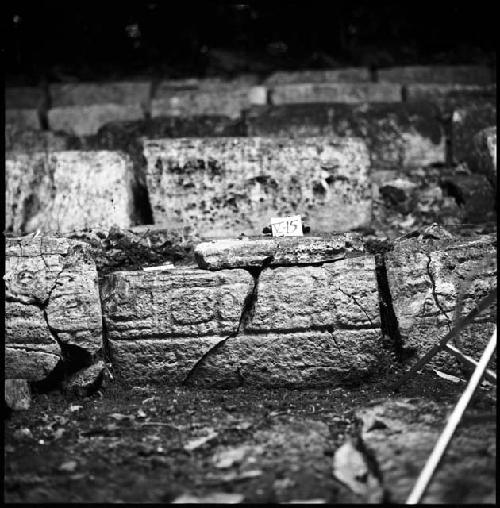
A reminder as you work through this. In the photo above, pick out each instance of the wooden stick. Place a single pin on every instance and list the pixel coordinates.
(470, 362)
(462, 323)
(451, 425)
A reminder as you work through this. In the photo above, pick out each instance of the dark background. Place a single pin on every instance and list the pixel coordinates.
(81, 40)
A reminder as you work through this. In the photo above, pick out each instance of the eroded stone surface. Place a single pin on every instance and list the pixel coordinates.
(86, 120)
(165, 87)
(67, 190)
(23, 97)
(31, 140)
(397, 135)
(347, 74)
(246, 253)
(227, 186)
(52, 299)
(447, 95)
(179, 302)
(307, 359)
(336, 92)
(466, 123)
(427, 278)
(334, 295)
(400, 435)
(227, 102)
(86, 381)
(437, 74)
(164, 362)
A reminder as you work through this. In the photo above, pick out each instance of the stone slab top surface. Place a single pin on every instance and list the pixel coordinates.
(268, 251)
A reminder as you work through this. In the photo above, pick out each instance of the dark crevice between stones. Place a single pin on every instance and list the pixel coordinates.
(391, 334)
(247, 312)
(142, 211)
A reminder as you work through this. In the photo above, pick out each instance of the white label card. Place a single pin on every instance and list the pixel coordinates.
(287, 226)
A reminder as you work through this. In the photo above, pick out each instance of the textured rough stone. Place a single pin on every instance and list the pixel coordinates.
(400, 434)
(22, 118)
(397, 135)
(67, 190)
(33, 363)
(51, 299)
(336, 92)
(117, 249)
(449, 94)
(427, 277)
(334, 295)
(437, 74)
(164, 362)
(89, 94)
(348, 74)
(173, 303)
(483, 158)
(296, 360)
(227, 102)
(85, 120)
(466, 123)
(17, 394)
(225, 186)
(23, 97)
(86, 381)
(247, 253)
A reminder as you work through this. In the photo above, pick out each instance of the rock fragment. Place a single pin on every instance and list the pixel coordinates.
(17, 394)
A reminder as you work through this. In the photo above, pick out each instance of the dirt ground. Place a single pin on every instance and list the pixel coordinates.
(155, 444)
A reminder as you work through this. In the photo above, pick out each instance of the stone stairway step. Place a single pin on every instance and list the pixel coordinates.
(346, 74)
(70, 190)
(24, 97)
(464, 74)
(52, 304)
(483, 159)
(227, 186)
(22, 118)
(26, 140)
(226, 102)
(335, 92)
(397, 135)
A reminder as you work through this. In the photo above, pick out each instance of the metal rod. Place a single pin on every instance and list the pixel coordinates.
(470, 362)
(451, 425)
(483, 304)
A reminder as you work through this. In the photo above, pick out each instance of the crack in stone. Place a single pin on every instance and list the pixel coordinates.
(246, 314)
(358, 304)
(434, 294)
(331, 330)
(388, 319)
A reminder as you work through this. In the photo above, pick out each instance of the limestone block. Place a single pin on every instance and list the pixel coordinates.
(226, 102)
(347, 74)
(247, 253)
(67, 190)
(227, 186)
(397, 135)
(173, 303)
(22, 118)
(463, 74)
(23, 97)
(335, 295)
(466, 123)
(336, 92)
(164, 362)
(483, 159)
(51, 299)
(309, 359)
(447, 95)
(90, 94)
(86, 120)
(427, 277)
(165, 87)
